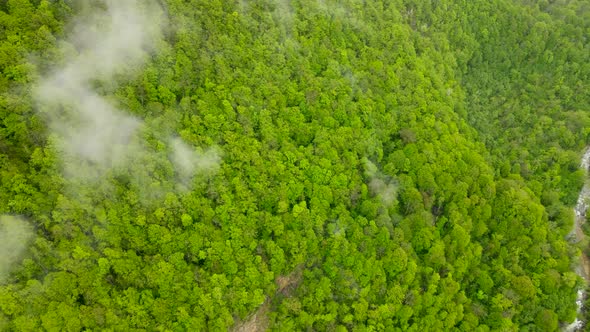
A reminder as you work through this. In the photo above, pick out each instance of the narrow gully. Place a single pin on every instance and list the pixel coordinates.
(577, 235)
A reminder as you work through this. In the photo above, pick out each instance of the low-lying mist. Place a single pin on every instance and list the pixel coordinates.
(109, 41)
(380, 185)
(15, 234)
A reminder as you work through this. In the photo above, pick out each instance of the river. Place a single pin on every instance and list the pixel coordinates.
(583, 269)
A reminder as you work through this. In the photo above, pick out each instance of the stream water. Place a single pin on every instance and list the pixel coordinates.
(583, 269)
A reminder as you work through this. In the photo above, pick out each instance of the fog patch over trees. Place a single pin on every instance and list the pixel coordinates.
(15, 235)
(96, 136)
(381, 185)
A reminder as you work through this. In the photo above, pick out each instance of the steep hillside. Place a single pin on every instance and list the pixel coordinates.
(343, 165)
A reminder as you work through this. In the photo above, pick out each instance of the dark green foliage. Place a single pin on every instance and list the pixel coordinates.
(417, 160)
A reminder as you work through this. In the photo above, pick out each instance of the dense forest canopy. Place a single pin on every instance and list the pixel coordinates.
(340, 165)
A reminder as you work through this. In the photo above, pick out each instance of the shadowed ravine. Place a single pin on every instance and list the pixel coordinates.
(577, 235)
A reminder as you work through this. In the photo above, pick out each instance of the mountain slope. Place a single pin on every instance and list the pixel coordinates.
(414, 160)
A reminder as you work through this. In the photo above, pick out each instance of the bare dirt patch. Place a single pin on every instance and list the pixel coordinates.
(258, 321)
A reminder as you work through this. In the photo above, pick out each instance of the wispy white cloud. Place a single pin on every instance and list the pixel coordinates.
(15, 234)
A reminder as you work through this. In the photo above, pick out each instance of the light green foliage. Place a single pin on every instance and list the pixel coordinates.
(415, 161)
